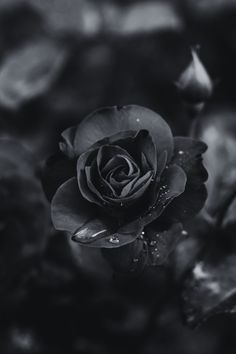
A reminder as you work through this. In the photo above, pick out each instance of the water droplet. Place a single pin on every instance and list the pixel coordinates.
(137, 120)
(81, 234)
(142, 233)
(135, 260)
(152, 243)
(114, 239)
(184, 232)
(181, 152)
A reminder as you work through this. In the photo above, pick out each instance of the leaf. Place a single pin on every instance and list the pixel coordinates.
(210, 288)
(109, 121)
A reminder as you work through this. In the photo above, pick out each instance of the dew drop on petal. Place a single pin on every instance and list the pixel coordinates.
(114, 239)
(81, 234)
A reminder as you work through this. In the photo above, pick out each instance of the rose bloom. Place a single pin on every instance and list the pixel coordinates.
(119, 171)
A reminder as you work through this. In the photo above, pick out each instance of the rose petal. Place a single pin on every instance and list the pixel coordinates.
(85, 160)
(128, 187)
(172, 184)
(107, 152)
(137, 194)
(139, 145)
(69, 209)
(67, 145)
(161, 163)
(72, 213)
(108, 121)
(89, 182)
(103, 234)
(187, 154)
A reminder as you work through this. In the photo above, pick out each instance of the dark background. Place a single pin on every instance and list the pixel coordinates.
(60, 60)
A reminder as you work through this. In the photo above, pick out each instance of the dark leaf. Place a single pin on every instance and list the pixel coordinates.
(210, 288)
(128, 258)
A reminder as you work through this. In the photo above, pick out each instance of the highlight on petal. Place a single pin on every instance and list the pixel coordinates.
(108, 121)
(104, 234)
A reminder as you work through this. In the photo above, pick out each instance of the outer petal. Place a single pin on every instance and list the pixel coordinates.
(72, 213)
(103, 234)
(111, 120)
(69, 209)
(173, 184)
(187, 154)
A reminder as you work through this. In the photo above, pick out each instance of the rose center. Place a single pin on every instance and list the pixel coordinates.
(119, 171)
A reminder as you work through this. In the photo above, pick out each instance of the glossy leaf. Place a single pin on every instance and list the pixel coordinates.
(210, 288)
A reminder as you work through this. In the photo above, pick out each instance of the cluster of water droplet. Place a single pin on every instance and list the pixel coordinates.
(114, 239)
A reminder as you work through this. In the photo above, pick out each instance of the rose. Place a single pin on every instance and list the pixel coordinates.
(120, 170)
